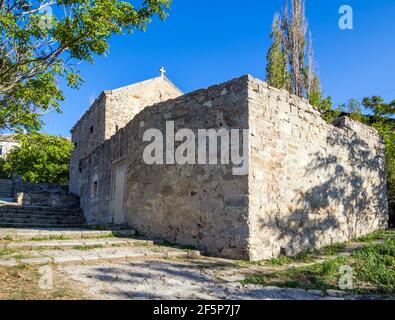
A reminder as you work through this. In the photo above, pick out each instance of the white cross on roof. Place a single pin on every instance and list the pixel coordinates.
(162, 71)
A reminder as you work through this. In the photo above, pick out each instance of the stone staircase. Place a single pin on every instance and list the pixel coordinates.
(40, 217)
(81, 246)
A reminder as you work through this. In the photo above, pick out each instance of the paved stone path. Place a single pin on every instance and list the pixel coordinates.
(82, 254)
(129, 268)
(180, 279)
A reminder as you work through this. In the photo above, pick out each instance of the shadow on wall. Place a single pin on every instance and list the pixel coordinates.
(349, 204)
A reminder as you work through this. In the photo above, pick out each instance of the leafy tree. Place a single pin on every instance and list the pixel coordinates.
(354, 110)
(383, 119)
(40, 158)
(316, 98)
(277, 74)
(42, 42)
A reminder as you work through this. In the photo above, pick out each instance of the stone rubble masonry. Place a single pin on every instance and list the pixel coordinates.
(17, 186)
(111, 112)
(47, 199)
(310, 183)
(50, 188)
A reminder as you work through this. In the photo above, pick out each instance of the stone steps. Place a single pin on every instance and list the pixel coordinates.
(40, 217)
(68, 244)
(41, 233)
(21, 209)
(40, 225)
(88, 259)
(96, 250)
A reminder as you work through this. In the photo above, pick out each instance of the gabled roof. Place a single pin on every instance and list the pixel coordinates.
(104, 93)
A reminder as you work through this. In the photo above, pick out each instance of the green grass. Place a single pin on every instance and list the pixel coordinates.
(281, 261)
(6, 252)
(373, 271)
(87, 248)
(375, 265)
(12, 253)
(320, 276)
(102, 236)
(20, 256)
(331, 250)
(62, 237)
(378, 235)
(303, 257)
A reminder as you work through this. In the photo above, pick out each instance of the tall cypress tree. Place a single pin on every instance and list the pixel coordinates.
(277, 74)
(290, 57)
(295, 31)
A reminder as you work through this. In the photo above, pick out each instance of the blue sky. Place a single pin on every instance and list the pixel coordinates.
(204, 42)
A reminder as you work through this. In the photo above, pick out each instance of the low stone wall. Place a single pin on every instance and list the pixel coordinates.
(44, 187)
(11, 187)
(46, 199)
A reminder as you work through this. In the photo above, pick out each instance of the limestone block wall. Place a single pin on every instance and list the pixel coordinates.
(87, 135)
(47, 199)
(125, 103)
(110, 113)
(204, 206)
(96, 175)
(28, 187)
(311, 183)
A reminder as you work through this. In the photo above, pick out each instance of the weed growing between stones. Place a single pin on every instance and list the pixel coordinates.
(87, 248)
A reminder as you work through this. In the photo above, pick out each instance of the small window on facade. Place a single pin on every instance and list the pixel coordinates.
(94, 189)
(75, 145)
(91, 129)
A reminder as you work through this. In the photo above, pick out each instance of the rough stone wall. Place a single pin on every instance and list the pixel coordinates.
(87, 135)
(311, 183)
(97, 168)
(46, 199)
(110, 113)
(125, 103)
(205, 206)
(49, 188)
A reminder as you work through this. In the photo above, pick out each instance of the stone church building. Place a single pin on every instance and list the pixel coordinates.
(309, 183)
